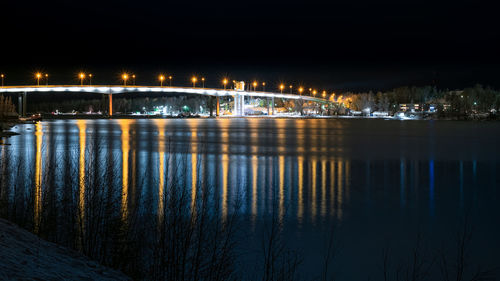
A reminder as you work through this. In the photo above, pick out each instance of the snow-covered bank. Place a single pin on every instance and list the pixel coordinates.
(23, 256)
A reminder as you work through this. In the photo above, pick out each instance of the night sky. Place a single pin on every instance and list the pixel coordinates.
(344, 45)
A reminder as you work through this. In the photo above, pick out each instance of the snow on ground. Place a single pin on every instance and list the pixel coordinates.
(24, 256)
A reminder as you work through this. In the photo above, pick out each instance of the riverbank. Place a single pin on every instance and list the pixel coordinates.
(24, 256)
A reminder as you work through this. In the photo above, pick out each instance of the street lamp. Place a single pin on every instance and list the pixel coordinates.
(133, 78)
(263, 86)
(90, 79)
(38, 75)
(194, 79)
(124, 77)
(170, 78)
(314, 92)
(3, 76)
(291, 89)
(324, 94)
(301, 90)
(281, 88)
(161, 80)
(81, 76)
(203, 82)
(254, 85)
(46, 79)
(224, 82)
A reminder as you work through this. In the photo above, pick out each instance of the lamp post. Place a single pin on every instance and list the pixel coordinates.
(90, 79)
(124, 77)
(324, 94)
(38, 76)
(81, 76)
(133, 78)
(254, 85)
(263, 86)
(46, 79)
(194, 79)
(291, 89)
(314, 93)
(281, 88)
(3, 76)
(161, 80)
(170, 79)
(203, 82)
(224, 82)
(301, 90)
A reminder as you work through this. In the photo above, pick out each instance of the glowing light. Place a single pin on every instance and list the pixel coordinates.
(161, 77)
(125, 78)
(224, 81)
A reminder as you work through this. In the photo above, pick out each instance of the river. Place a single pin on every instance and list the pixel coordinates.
(379, 184)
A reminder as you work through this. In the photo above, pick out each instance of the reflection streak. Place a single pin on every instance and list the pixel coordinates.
(81, 171)
(38, 175)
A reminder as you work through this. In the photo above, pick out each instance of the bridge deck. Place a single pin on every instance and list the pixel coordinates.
(114, 89)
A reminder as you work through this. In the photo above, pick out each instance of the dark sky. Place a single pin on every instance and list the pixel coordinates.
(328, 44)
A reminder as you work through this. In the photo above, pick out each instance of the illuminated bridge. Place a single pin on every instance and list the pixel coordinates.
(238, 95)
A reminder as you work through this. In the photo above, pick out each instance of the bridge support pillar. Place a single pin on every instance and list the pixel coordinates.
(110, 104)
(239, 105)
(242, 105)
(211, 105)
(25, 104)
(20, 104)
(272, 106)
(217, 106)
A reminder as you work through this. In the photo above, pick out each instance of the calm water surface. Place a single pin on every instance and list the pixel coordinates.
(379, 182)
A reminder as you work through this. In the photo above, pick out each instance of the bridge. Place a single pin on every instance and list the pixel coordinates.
(110, 90)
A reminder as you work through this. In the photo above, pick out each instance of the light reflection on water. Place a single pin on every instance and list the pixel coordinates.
(248, 164)
(312, 172)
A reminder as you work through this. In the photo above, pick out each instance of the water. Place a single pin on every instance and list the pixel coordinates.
(378, 182)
